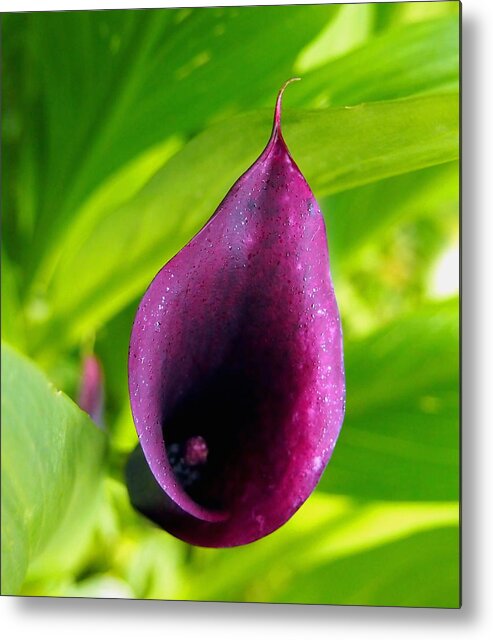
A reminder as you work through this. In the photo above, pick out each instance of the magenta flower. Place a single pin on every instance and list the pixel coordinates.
(91, 390)
(236, 372)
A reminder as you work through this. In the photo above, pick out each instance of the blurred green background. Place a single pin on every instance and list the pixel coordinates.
(121, 132)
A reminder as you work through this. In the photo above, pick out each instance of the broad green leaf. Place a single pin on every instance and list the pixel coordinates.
(13, 325)
(385, 68)
(51, 470)
(325, 530)
(113, 261)
(351, 27)
(400, 438)
(392, 14)
(112, 84)
(421, 570)
(415, 12)
(21, 124)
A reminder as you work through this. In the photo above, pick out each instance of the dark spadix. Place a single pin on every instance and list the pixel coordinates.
(236, 371)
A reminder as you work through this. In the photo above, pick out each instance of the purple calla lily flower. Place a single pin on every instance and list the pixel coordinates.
(91, 390)
(236, 373)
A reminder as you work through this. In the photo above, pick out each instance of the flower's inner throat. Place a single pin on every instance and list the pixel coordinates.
(226, 429)
(210, 432)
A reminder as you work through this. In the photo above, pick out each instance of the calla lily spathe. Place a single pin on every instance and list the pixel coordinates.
(236, 372)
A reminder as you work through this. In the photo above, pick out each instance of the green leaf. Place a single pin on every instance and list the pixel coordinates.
(400, 438)
(325, 532)
(13, 325)
(114, 260)
(128, 80)
(351, 28)
(386, 67)
(421, 570)
(51, 470)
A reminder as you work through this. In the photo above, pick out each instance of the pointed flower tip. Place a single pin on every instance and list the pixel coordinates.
(277, 114)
